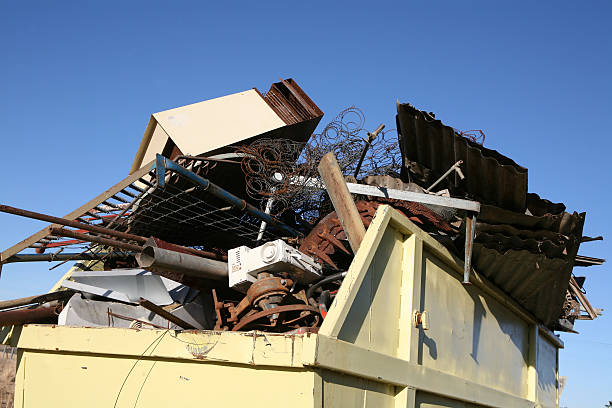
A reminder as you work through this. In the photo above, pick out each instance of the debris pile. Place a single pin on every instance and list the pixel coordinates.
(235, 216)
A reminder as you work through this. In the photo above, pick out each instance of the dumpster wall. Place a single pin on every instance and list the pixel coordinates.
(480, 348)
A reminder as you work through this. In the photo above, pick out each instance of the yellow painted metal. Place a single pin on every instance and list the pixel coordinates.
(480, 349)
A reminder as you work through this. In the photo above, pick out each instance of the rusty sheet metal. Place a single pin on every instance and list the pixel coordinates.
(429, 148)
(537, 282)
(291, 103)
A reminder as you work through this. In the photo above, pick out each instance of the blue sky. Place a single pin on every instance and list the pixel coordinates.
(79, 81)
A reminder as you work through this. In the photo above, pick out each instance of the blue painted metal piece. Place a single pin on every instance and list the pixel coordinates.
(162, 164)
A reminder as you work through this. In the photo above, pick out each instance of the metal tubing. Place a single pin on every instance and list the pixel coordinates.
(70, 223)
(163, 260)
(24, 316)
(65, 257)
(62, 232)
(164, 163)
(30, 300)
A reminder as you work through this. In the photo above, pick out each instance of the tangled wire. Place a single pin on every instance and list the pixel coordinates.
(282, 174)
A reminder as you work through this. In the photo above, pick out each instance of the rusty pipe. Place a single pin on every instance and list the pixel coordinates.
(24, 316)
(62, 232)
(47, 297)
(71, 223)
(101, 230)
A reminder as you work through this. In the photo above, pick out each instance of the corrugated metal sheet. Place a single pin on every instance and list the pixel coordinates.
(490, 177)
(529, 257)
(537, 282)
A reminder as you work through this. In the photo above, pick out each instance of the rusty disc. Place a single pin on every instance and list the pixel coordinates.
(279, 309)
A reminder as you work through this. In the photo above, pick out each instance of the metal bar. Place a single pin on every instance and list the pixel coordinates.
(186, 250)
(371, 137)
(65, 257)
(163, 260)
(62, 232)
(342, 200)
(470, 228)
(79, 211)
(416, 197)
(71, 223)
(30, 300)
(24, 316)
(164, 313)
(196, 158)
(164, 163)
(453, 167)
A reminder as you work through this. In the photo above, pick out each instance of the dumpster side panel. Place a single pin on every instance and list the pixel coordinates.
(343, 390)
(547, 373)
(473, 346)
(470, 334)
(370, 322)
(427, 400)
(63, 380)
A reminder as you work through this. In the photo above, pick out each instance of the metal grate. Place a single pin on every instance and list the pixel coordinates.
(176, 205)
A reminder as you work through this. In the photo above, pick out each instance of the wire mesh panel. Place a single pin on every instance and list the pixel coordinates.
(186, 214)
(181, 211)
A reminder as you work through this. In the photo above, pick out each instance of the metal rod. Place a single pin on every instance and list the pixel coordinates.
(186, 250)
(164, 313)
(24, 316)
(371, 137)
(164, 163)
(163, 260)
(71, 223)
(453, 167)
(66, 257)
(30, 300)
(470, 228)
(262, 227)
(62, 232)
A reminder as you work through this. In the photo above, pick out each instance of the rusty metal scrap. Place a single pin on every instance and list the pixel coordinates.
(282, 170)
(328, 237)
(429, 148)
(25, 316)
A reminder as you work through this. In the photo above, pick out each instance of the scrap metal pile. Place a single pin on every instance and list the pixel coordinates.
(225, 224)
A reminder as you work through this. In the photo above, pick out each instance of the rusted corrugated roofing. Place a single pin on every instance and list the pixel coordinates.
(429, 148)
(525, 244)
(532, 263)
(537, 282)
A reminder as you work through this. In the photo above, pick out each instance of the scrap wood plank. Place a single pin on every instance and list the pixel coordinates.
(342, 200)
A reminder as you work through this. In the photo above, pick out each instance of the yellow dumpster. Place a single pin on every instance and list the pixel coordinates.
(402, 332)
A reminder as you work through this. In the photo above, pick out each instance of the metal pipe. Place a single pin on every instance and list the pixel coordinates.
(24, 316)
(371, 137)
(163, 260)
(65, 257)
(62, 232)
(164, 163)
(30, 300)
(71, 223)
(453, 167)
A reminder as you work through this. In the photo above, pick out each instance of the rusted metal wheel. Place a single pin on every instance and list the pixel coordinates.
(327, 238)
(289, 317)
